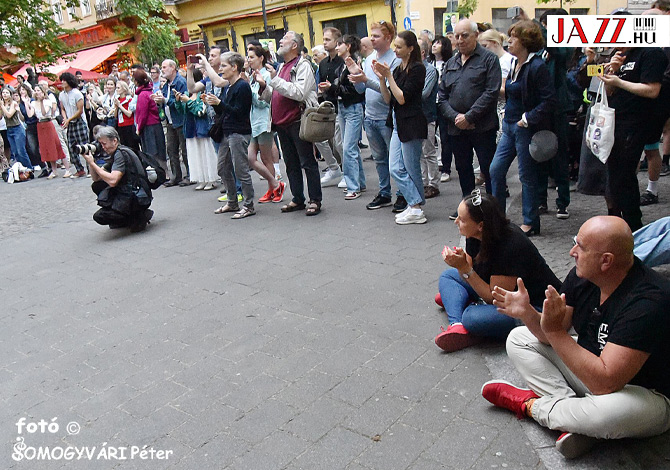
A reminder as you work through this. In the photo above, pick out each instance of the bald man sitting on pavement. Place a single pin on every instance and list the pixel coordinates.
(596, 357)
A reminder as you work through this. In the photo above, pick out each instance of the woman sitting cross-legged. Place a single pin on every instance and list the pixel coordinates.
(496, 254)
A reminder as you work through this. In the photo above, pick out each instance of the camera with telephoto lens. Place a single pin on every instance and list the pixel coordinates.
(83, 149)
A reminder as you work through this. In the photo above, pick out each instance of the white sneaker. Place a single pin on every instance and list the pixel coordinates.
(445, 177)
(332, 177)
(342, 183)
(403, 213)
(412, 218)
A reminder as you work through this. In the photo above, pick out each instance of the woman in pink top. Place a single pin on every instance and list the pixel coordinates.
(147, 120)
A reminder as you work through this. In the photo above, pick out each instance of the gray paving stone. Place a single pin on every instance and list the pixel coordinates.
(377, 414)
(317, 420)
(360, 386)
(274, 452)
(338, 307)
(260, 422)
(325, 454)
(396, 449)
(459, 435)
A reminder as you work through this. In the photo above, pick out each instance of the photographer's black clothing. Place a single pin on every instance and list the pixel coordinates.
(127, 203)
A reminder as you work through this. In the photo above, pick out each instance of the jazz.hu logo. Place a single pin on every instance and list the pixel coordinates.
(608, 31)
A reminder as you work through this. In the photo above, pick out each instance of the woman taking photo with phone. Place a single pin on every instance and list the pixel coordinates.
(202, 164)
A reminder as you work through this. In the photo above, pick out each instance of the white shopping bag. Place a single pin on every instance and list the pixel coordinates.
(600, 132)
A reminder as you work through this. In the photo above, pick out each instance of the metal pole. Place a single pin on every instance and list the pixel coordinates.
(265, 20)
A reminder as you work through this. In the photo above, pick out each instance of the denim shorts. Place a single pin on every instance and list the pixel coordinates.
(264, 138)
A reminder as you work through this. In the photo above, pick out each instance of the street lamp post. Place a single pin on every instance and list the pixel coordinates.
(265, 19)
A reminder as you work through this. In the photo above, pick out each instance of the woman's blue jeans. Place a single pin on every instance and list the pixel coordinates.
(515, 142)
(351, 124)
(17, 141)
(458, 298)
(405, 162)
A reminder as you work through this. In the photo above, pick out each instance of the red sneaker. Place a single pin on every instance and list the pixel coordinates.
(267, 197)
(455, 337)
(279, 192)
(505, 395)
(438, 300)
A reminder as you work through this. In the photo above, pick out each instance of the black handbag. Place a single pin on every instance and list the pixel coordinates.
(216, 131)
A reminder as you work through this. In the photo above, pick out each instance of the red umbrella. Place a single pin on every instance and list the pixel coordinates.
(8, 78)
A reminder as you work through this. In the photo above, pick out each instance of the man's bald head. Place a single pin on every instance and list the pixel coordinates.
(611, 235)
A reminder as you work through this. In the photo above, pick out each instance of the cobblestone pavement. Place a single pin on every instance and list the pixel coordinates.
(275, 342)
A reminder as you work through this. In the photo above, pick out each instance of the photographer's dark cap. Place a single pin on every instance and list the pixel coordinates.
(543, 146)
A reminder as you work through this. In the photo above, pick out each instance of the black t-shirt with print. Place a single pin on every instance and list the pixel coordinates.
(635, 316)
(641, 65)
(515, 256)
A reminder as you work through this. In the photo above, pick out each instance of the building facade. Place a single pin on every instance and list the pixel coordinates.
(233, 23)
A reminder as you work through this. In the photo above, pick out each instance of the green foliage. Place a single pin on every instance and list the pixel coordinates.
(29, 30)
(157, 39)
(466, 8)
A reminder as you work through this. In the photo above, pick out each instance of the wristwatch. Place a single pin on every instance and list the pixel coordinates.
(468, 274)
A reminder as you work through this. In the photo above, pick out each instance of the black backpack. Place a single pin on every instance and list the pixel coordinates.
(154, 174)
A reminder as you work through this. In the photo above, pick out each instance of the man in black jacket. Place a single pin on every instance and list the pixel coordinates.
(467, 99)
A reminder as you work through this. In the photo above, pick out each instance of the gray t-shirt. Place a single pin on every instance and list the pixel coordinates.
(69, 100)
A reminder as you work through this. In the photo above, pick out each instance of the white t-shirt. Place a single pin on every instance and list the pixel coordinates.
(69, 100)
(506, 64)
(3, 124)
(48, 107)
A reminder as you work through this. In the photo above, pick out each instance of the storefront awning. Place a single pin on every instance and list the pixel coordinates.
(84, 60)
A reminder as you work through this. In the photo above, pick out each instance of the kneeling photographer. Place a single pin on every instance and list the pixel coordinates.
(123, 191)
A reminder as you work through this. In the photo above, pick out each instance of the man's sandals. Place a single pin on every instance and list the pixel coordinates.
(312, 207)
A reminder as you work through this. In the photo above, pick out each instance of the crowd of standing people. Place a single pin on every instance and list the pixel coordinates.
(474, 92)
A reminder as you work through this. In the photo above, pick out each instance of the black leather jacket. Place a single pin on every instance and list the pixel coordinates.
(345, 90)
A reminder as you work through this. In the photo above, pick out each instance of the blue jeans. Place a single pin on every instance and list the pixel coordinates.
(351, 123)
(17, 142)
(405, 159)
(515, 142)
(379, 137)
(652, 243)
(458, 298)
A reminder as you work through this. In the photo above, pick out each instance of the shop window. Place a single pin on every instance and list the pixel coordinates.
(352, 25)
(275, 35)
(579, 11)
(500, 21)
(540, 11)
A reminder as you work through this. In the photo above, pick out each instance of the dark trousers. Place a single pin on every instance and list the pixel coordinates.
(557, 167)
(445, 144)
(129, 137)
(152, 140)
(108, 216)
(33, 144)
(484, 143)
(622, 190)
(176, 143)
(298, 157)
